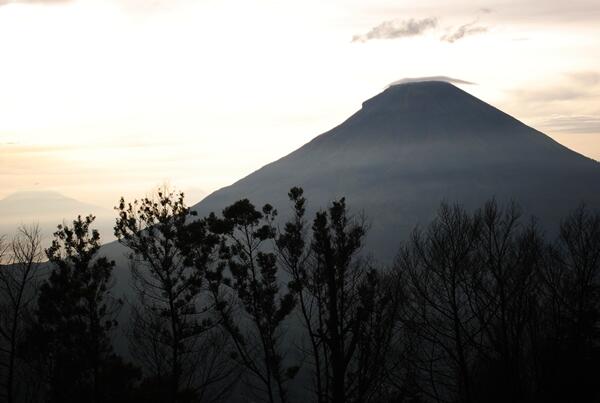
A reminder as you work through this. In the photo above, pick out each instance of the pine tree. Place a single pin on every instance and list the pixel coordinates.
(75, 315)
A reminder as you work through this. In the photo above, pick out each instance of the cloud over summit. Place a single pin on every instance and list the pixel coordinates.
(431, 78)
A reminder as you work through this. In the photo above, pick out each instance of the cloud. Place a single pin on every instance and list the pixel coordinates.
(464, 30)
(15, 148)
(5, 2)
(394, 29)
(566, 104)
(431, 78)
(576, 124)
(551, 94)
(586, 78)
(572, 86)
(547, 12)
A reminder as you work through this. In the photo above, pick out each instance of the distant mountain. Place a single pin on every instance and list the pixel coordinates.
(48, 209)
(40, 203)
(413, 146)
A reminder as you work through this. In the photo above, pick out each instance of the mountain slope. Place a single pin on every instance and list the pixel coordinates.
(413, 146)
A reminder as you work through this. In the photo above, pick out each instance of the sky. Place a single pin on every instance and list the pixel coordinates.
(103, 98)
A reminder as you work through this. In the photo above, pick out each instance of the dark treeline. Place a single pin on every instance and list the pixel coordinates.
(243, 306)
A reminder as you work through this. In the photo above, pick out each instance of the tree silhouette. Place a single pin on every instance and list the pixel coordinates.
(438, 264)
(501, 314)
(504, 294)
(251, 302)
(19, 280)
(75, 316)
(570, 358)
(479, 306)
(347, 309)
(172, 326)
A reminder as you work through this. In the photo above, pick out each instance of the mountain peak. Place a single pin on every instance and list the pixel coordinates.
(425, 111)
(36, 194)
(412, 94)
(37, 203)
(421, 83)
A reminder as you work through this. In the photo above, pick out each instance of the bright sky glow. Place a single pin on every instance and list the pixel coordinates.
(102, 98)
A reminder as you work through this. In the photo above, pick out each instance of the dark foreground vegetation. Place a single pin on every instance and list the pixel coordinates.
(478, 307)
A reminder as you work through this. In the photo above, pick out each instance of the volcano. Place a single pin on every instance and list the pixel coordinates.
(413, 146)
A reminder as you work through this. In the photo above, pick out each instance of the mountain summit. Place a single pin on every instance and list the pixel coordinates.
(415, 145)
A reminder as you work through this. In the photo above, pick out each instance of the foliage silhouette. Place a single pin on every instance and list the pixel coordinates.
(251, 303)
(478, 306)
(173, 331)
(74, 318)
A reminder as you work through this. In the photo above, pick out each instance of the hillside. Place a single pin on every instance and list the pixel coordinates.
(414, 146)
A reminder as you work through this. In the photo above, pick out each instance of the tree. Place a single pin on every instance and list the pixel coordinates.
(504, 294)
(499, 313)
(570, 356)
(19, 277)
(251, 303)
(75, 315)
(172, 321)
(347, 309)
(19, 280)
(439, 264)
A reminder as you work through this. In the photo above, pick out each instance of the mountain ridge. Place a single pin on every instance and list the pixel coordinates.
(48, 209)
(413, 146)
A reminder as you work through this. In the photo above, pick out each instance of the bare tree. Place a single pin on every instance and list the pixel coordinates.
(438, 264)
(571, 356)
(574, 275)
(504, 294)
(19, 275)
